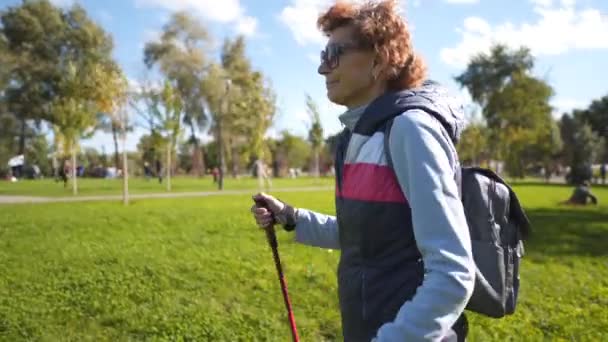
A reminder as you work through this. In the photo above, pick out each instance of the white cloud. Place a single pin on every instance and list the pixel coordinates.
(62, 3)
(150, 35)
(560, 27)
(134, 84)
(266, 50)
(300, 16)
(314, 58)
(105, 16)
(461, 1)
(566, 105)
(103, 141)
(542, 3)
(247, 26)
(225, 11)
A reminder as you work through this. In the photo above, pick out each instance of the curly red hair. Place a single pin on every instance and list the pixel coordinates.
(377, 25)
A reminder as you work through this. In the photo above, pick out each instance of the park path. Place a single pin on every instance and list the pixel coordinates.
(6, 199)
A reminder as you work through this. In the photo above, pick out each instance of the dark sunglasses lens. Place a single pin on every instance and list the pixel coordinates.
(330, 56)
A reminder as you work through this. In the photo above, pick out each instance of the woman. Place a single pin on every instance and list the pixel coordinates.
(406, 269)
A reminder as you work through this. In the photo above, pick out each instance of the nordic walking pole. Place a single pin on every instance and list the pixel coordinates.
(272, 241)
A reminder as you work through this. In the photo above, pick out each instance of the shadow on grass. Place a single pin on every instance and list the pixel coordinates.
(537, 183)
(568, 231)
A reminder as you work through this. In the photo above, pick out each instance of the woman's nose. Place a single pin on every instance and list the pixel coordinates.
(323, 69)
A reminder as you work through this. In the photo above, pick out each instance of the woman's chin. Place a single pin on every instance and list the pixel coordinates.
(335, 98)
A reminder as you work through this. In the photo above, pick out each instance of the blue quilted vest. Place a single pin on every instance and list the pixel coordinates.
(380, 265)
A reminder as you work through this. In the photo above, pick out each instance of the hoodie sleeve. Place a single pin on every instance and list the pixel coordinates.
(424, 161)
(318, 230)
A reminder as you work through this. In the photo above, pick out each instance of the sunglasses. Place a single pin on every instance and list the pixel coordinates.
(330, 56)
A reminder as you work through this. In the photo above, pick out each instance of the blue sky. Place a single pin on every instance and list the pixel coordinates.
(568, 37)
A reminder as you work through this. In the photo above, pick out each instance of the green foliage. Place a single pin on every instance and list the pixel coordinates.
(37, 152)
(198, 269)
(294, 150)
(181, 55)
(315, 132)
(472, 147)
(251, 100)
(151, 146)
(523, 116)
(581, 146)
(488, 73)
(515, 106)
(59, 60)
(596, 116)
(45, 42)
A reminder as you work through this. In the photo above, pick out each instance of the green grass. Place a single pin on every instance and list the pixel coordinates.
(197, 269)
(95, 186)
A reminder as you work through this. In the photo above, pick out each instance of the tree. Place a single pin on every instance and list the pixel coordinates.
(168, 110)
(488, 73)
(150, 145)
(251, 106)
(515, 105)
(58, 56)
(181, 55)
(294, 149)
(218, 90)
(43, 40)
(523, 115)
(580, 147)
(74, 111)
(596, 116)
(473, 143)
(315, 133)
(31, 35)
(112, 91)
(548, 148)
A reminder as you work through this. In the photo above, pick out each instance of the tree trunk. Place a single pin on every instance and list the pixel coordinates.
(125, 171)
(197, 160)
(316, 161)
(235, 162)
(168, 167)
(220, 143)
(22, 137)
(115, 137)
(74, 181)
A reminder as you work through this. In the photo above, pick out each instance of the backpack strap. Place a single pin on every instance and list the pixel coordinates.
(387, 152)
(516, 212)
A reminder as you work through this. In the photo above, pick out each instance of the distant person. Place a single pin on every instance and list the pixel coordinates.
(262, 175)
(63, 173)
(147, 171)
(159, 171)
(603, 173)
(581, 195)
(216, 174)
(55, 165)
(36, 172)
(16, 171)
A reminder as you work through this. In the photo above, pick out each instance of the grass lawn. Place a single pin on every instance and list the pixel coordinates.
(197, 269)
(96, 186)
